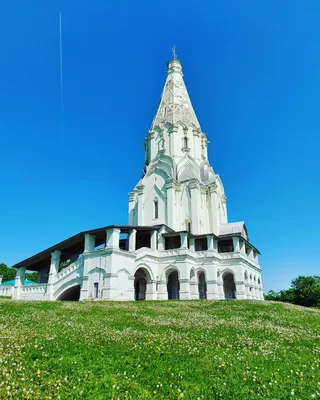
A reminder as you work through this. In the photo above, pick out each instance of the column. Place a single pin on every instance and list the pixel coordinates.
(154, 240)
(19, 281)
(140, 204)
(161, 241)
(195, 206)
(210, 242)
(215, 245)
(184, 240)
(242, 246)
(214, 208)
(170, 203)
(151, 292)
(192, 244)
(113, 236)
(236, 243)
(132, 240)
(54, 268)
(54, 265)
(250, 253)
(89, 242)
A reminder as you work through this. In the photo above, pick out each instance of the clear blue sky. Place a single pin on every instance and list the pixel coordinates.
(252, 69)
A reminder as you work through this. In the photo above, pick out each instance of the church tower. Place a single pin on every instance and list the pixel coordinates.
(179, 188)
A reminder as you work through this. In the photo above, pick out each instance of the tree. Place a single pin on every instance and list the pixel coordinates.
(304, 291)
(307, 290)
(7, 273)
(32, 276)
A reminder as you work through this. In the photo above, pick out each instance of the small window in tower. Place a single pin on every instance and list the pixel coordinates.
(156, 208)
(185, 142)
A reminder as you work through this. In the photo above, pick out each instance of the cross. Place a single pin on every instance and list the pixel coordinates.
(174, 52)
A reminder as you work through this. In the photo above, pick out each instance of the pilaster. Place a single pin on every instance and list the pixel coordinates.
(195, 206)
(170, 203)
(212, 290)
(213, 189)
(162, 290)
(151, 292)
(140, 204)
(110, 287)
(184, 292)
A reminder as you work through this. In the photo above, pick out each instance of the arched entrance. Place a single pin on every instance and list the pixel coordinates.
(71, 294)
(173, 286)
(140, 284)
(202, 286)
(229, 286)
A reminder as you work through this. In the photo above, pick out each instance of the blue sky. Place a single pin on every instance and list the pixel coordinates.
(252, 70)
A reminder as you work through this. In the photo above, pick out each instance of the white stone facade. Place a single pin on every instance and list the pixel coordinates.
(178, 244)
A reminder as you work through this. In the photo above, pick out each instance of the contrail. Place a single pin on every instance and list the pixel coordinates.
(61, 82)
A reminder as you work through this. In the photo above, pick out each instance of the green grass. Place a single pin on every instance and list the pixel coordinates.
(162, 350)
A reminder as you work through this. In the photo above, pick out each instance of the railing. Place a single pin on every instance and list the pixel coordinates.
(40, 288)
(69, 269)
(6, 290)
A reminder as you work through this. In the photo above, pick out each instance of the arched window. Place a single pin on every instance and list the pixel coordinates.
(155, 208)
(185, 142)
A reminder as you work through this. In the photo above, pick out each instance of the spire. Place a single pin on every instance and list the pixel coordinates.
(175, 105)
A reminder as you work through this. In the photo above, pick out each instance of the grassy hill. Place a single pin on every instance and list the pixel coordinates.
(162, 350)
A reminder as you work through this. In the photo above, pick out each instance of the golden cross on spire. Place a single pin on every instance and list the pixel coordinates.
(174, 52)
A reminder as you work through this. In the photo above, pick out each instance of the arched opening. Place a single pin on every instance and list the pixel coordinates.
(229, 286)
(173, 286)
(140, 284)
(71, 294)
(202, 286)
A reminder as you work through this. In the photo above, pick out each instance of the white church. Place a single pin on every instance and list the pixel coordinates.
(178, 243)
